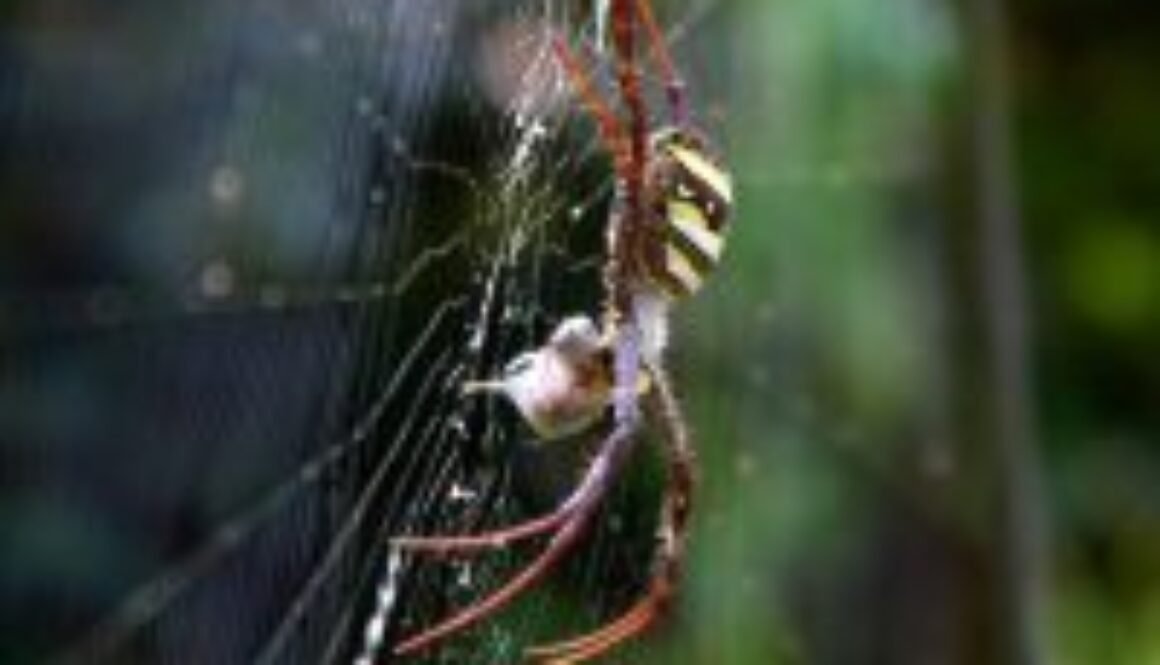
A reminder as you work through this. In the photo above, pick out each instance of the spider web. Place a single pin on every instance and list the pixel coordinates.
(234, 345)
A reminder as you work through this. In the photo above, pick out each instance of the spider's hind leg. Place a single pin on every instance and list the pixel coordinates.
(611, 132)
(646, 611)
(561, 543)
(489, 540)
(658, 46)
(676, 509)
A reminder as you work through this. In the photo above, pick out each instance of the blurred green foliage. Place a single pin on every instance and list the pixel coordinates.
(826, 365)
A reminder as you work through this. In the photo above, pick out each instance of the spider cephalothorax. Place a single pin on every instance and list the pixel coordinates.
(665, 233)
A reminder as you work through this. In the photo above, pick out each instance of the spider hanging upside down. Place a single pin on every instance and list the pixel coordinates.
(665, 233)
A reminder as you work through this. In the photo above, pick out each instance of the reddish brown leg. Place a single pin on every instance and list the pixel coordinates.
(658, 46)
(611, 132)
(628, 80)
(560, 545)
(490, 540)
(633, 622)
(673, 529)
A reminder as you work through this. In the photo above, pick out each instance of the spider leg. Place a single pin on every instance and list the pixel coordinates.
(675, 512)
(594, 644)
(658, 46)
(490, 540)
(628, 79)
(614, 451)
(586, 647)
(560, 545)
(611, 133)
(590, 493)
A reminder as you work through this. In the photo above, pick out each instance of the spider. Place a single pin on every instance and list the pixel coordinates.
(665, 233)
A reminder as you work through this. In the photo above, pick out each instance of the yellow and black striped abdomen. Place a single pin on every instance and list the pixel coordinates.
(695, 201)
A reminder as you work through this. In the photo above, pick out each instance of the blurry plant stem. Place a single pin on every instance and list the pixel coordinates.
(1015, 514)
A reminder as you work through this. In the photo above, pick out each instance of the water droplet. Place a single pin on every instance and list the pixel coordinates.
(766, 312)
(272, 296)
(615, 524)
(364, 106)
(226, 185)
(464, 578)
(458, 492)
(745, 465)
(374, 630)
(310, 44)
(459, 427)
(217, 279)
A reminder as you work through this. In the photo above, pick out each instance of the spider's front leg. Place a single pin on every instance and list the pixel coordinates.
(569, 522)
